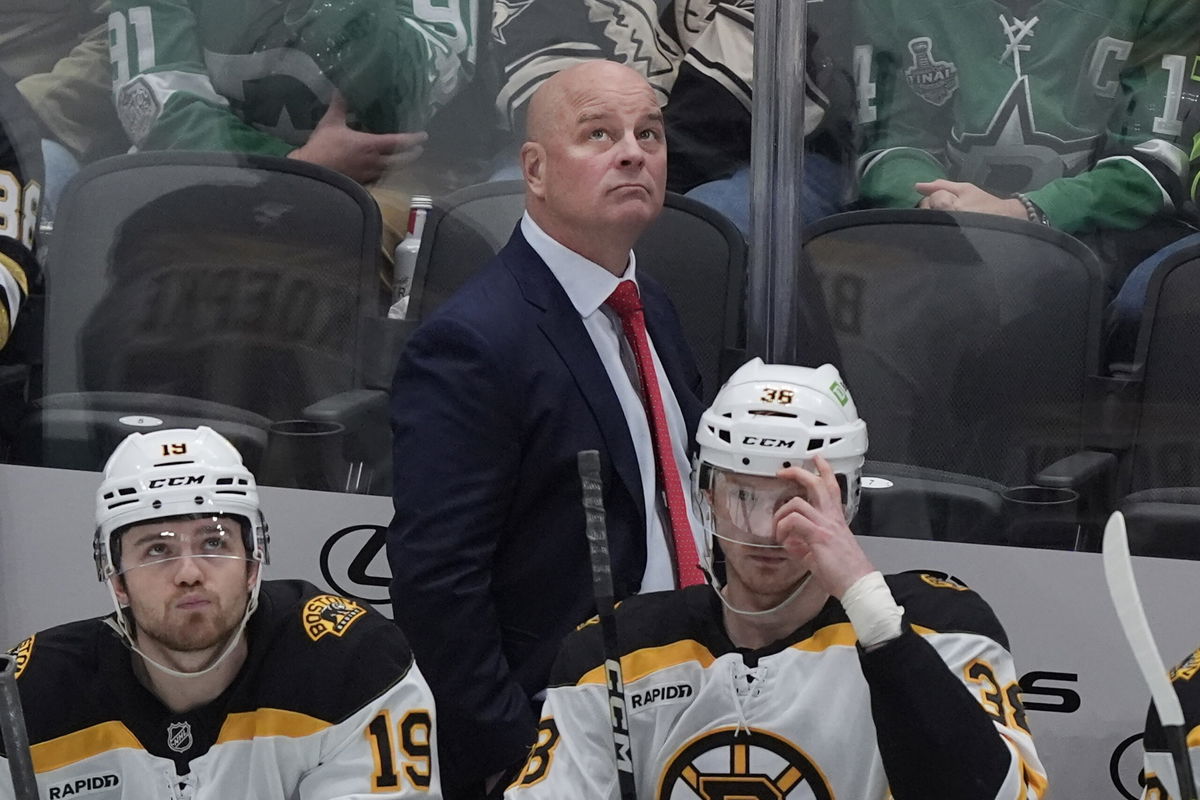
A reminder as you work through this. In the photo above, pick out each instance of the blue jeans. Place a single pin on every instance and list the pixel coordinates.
(1125, 311)
(820, 195)
(59, 165)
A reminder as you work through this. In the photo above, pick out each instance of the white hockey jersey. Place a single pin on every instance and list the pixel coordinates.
(935, 713)
(329, 704)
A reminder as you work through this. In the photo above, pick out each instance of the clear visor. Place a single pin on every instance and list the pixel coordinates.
(742, 508)
(162, 543)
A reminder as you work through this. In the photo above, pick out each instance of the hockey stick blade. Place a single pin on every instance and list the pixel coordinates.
(13, 733)
(1122, 588)
(602, 589)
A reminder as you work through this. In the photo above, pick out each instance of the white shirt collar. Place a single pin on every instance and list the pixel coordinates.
(586, 283)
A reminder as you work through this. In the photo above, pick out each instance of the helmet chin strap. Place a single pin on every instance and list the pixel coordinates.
(720, 589)
(745, 613)
(120, 624)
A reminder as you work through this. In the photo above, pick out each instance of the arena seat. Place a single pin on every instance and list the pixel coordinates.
(697, 254)
(1161, 473)
(204, 288)
(971, 345)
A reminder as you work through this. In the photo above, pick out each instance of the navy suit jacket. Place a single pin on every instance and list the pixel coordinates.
(494, 397)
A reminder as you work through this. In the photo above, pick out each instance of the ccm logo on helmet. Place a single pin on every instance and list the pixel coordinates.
(84, 786)
(179, 480)
(766, 441)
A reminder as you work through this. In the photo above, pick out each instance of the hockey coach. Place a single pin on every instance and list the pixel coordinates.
(208, 683)
(542, 354)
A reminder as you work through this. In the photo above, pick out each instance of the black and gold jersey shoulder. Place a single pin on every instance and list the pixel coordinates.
(643, 621)
(941, 603)
(932, 601)
(318, 654)
(1185, 678)
(62, 681)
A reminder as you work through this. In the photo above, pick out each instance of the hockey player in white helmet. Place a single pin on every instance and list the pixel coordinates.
(801, 672)
(207, 682)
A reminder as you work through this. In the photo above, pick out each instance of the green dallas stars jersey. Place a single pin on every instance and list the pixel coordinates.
(257, 75)
(1079, 103)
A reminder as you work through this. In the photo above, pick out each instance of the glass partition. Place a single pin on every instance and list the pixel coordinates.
(995, 206)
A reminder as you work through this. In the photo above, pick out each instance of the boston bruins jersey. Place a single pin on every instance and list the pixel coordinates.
(329, 704)
(20, 195)
(1078, 104)
(934, 713)
(1159, 768)
(257, 75)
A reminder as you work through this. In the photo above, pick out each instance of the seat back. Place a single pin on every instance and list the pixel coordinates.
(967, 340)
(1166, 441)
(694, 252)
(209, 278)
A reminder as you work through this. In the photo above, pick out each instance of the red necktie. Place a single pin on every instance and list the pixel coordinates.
(628, 304)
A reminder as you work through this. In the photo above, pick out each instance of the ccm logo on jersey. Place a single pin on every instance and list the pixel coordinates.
(179, 480)
(766, 441)
(660, 694)
(86, 785)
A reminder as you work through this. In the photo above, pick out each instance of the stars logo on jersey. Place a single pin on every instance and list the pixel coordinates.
(934, 81)
(327, 613)
(503, 13)
(733, 762)
(21, 654)
(1012, 155)
(179, 736)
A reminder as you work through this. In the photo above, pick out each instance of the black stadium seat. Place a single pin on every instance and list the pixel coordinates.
(203, 288)
(697, 254)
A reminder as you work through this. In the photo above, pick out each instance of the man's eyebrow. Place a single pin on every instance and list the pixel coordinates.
(150, 537)
(590, 116)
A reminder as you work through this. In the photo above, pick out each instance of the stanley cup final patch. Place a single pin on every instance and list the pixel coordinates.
(138, 108)
(327, 613)
(934, 81)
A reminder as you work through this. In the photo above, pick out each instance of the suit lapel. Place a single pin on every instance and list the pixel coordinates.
(665, 334)
(561, 324)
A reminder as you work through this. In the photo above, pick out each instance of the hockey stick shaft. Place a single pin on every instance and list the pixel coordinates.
(1122, 587)
(602, 589)
(12, 730)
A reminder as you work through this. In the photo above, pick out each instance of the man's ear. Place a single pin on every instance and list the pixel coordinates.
(533, 168)
(118, 584)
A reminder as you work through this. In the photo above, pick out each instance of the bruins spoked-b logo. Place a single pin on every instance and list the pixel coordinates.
(730, 763)
(328, 613)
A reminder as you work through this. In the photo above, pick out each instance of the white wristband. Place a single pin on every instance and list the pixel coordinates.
(872, 610)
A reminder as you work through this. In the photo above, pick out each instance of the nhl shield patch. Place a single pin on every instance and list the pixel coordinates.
(138, 108)
(934, 81)
(330, 614)
(179, 736)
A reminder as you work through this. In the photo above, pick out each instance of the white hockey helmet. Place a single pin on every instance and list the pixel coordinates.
(768, 417)
(174, 473)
